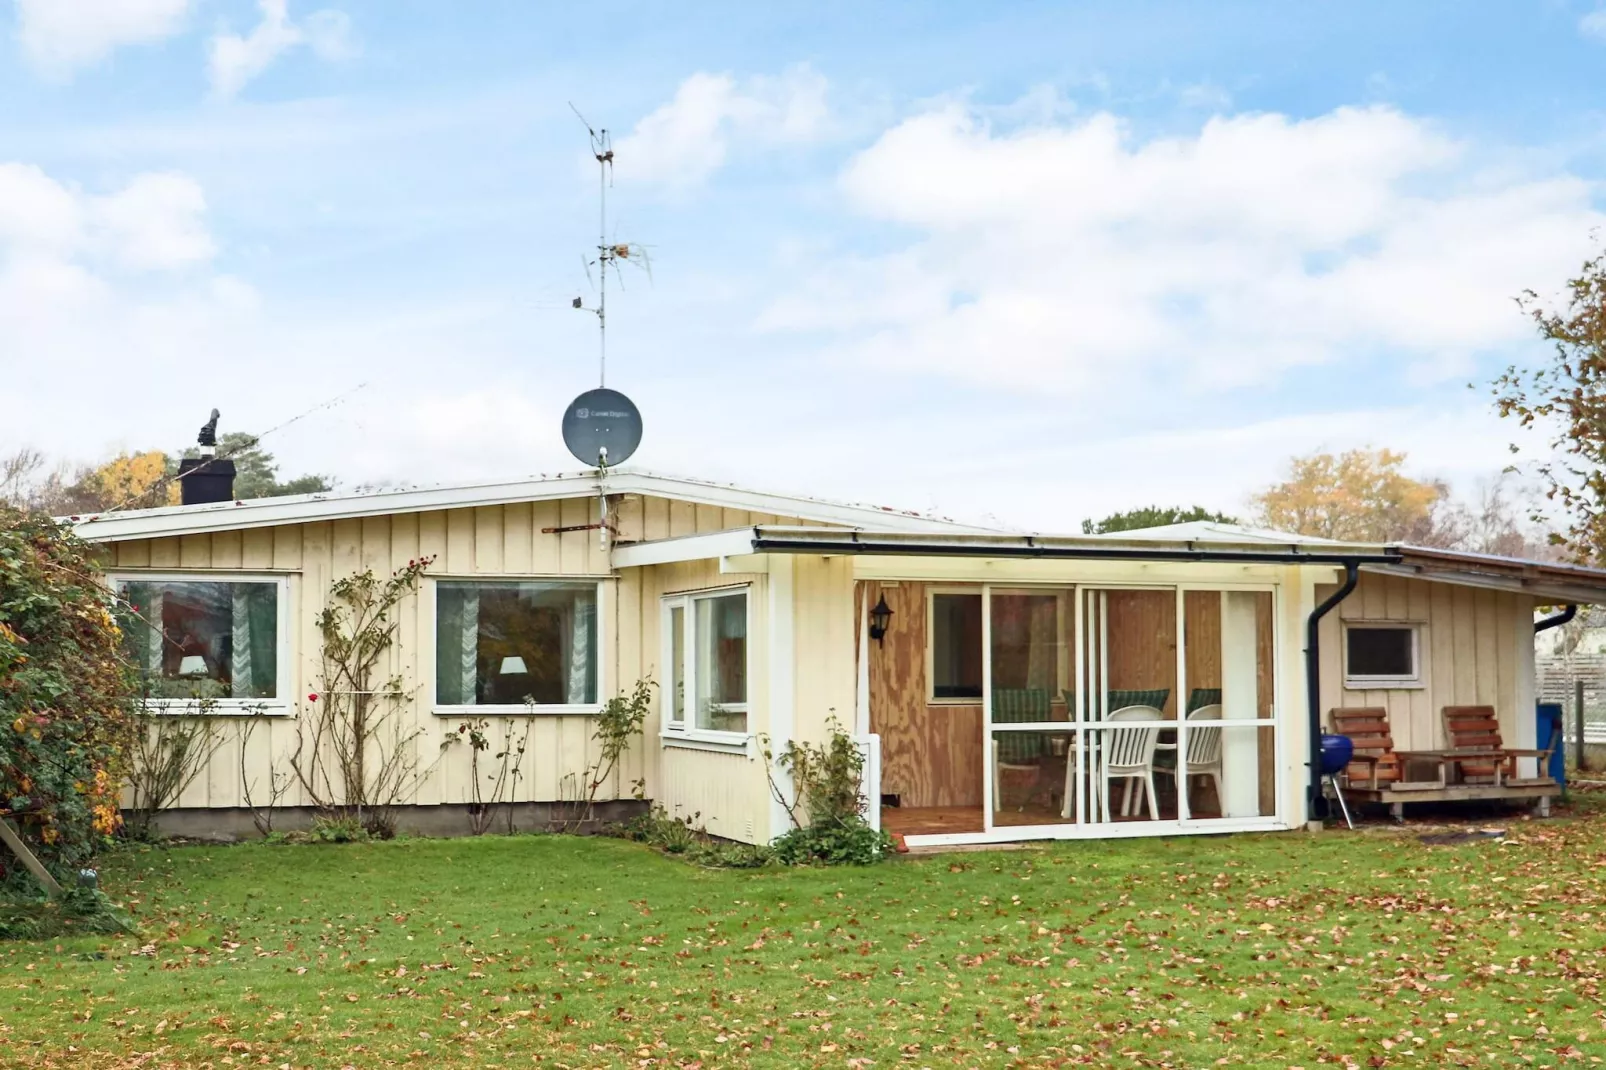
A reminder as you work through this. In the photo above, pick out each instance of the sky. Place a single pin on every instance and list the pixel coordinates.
(1021, 263)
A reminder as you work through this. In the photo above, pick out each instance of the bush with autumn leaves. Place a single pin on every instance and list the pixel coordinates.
(67, 695)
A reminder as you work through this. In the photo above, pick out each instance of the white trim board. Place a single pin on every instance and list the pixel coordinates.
(297, 509)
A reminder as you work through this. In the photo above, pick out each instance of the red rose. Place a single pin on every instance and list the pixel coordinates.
(312, 697)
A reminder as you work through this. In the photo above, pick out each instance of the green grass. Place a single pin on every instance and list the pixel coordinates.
(1364, 949)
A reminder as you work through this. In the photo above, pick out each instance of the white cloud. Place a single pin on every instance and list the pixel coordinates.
(155, 222)
(62, 36)
(1593, 25)
(1069, 255)
(89, 285)
(688, 139)
(233, 60)
(158, 221)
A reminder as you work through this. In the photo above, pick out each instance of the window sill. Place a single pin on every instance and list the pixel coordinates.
(721, 742)
(584, 709)
(1374, 684)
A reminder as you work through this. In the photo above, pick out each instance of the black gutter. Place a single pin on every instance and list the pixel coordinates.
(1567, 614)
(1315, 801)
(1032, 549)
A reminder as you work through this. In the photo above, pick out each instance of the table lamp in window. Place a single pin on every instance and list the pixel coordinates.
(192, 665)
(513, 666)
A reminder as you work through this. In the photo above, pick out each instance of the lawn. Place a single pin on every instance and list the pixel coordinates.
(1369, 949)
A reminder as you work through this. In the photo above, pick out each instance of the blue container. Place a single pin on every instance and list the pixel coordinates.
(1336, 754)
(1548, 722)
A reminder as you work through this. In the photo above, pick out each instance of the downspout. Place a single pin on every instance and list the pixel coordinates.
(1315, 801)
(1567, 613)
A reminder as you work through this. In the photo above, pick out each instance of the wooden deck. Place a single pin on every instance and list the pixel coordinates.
(1396, 797)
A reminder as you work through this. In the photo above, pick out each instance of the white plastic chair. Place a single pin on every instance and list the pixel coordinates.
(1204, 751)
(1129, 756)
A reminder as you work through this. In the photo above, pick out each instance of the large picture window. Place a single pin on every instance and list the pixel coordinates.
(208, 639)
(515, 643)
(705, 649)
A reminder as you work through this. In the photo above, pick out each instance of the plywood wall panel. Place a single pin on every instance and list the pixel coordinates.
(931, 754)
(1142, 646)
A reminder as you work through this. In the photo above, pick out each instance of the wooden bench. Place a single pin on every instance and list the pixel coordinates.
(1483, 768)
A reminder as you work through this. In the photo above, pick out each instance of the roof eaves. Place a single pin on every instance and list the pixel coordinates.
(269, 512)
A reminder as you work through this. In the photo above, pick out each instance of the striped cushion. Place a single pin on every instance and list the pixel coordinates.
(1203, 696)
(1155, 697)
(1020, 705)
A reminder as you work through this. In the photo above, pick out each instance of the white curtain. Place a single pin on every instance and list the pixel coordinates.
(471, 645)
(153, 616)
(580, 618)
(240, 669)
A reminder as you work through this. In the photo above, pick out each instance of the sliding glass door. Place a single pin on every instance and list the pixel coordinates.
(1142, 706)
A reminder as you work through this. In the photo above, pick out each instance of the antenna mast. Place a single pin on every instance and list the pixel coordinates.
(602, 149)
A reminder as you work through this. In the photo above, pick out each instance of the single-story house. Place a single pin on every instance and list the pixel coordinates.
(1003, 686)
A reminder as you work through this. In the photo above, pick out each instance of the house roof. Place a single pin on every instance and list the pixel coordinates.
(301, 508)
(857, 528)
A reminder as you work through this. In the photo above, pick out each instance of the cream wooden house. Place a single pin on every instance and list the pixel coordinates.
(1003, 686)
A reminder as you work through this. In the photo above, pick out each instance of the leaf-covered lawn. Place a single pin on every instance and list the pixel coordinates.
(1367, 949)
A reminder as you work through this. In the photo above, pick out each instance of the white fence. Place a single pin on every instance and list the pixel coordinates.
(1557, 680)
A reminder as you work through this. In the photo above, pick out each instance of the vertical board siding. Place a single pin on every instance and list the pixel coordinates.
(1472, 650)
(497, 540)
(730, 792)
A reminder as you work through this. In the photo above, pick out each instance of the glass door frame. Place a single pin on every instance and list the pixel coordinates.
(1080, 725)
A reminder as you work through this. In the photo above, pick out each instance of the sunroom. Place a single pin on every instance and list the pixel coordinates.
(1029, 687)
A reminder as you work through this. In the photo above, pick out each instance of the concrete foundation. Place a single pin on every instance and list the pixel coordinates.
(231, 824)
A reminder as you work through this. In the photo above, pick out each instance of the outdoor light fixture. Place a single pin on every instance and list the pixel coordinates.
(880, 617)
(192, 665)
(513, 666)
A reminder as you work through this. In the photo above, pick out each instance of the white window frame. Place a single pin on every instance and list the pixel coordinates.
(1416, 680)
(517, 709)
(686, 733)
(281, 705)
(931, 646)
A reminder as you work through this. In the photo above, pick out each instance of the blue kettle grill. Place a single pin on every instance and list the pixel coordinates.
(1336, 754)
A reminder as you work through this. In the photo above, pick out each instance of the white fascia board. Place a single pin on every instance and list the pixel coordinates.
(860, 517)
(978, 542)
(300, 509)
(718, 544)
(1549, 590)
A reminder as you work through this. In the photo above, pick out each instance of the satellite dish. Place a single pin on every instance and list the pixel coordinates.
(602, 428)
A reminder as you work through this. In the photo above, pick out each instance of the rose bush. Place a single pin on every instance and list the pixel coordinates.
(67, 694)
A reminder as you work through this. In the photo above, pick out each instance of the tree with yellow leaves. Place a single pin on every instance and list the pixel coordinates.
(1358, 496)
(130, 480)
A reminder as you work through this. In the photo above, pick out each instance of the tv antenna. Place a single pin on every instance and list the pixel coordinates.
(602, 427)
(610, 254)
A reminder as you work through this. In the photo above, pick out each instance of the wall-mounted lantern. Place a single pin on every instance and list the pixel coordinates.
(880, 618)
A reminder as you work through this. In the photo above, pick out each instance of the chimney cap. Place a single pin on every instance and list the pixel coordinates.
(208, 435)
